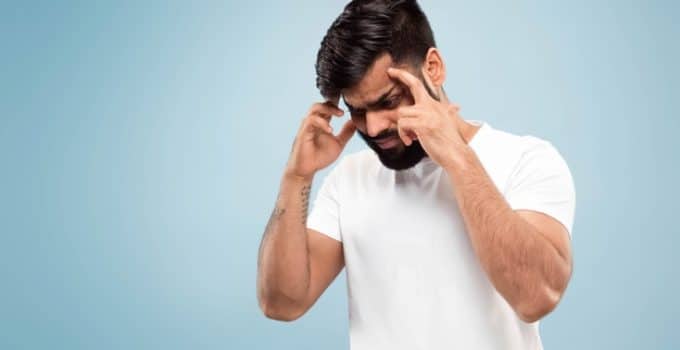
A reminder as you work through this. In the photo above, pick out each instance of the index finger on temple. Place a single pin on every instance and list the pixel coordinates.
(414, 84)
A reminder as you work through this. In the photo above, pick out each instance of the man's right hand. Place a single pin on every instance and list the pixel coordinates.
(315, 146)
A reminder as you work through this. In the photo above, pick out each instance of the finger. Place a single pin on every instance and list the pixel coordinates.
(326, 110)
(408, 130)
(315, 122)
(327, 107)
(346, 132)
(333, 104)
(414, 84)
(408, 112)
(402, 135)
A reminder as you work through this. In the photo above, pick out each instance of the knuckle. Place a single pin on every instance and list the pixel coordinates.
(320, 122)
(315, 108)
(311, 120)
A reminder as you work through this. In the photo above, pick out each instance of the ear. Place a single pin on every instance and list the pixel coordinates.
(434, 68)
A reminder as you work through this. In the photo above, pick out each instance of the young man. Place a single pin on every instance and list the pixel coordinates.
(455, 235)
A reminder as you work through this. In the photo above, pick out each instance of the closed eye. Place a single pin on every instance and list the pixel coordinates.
(388, 103)
(392, 102)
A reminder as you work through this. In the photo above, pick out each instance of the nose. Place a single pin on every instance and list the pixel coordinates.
(376, 121)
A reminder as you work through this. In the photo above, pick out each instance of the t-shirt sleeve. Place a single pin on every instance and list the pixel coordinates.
(542, 182)
(324, 216)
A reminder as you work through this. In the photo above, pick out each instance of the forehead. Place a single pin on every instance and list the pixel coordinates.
(373, 84)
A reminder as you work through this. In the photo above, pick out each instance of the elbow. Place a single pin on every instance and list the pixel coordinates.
(280, 311)
(535, 312)
(278, 314)
(539, 306)
(546, 297)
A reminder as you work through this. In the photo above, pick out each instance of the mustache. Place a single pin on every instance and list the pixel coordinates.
(385, 134)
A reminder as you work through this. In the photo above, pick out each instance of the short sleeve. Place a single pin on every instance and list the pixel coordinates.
(541, 181)
(324, 216)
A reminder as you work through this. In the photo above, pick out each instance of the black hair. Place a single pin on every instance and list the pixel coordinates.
(365, 30)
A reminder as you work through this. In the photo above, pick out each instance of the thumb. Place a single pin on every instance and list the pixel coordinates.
(346, 133)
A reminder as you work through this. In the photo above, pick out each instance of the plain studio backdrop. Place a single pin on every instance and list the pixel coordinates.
(142, 146)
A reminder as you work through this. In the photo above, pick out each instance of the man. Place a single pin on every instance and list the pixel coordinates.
(455, 235)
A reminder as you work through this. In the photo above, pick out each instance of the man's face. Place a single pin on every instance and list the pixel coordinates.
(373, 104)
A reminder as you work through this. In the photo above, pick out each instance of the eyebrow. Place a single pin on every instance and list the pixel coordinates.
(375, 103)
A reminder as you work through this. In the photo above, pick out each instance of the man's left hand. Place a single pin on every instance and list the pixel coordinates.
(433, 123)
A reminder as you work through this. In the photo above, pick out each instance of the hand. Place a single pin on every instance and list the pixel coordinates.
(433, 123)
(315, 146)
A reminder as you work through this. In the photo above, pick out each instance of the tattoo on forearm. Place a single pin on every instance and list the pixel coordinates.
(275, 216)
(305, 201)
(278, 212)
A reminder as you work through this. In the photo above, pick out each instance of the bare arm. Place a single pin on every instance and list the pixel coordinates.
(526, 254)
(283, 262)
(295, 265)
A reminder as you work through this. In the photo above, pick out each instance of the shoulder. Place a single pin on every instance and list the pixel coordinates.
(500, 142)
(532, 174)
(505, 154)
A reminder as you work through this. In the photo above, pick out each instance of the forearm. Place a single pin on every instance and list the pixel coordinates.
(521, 263)
(283, 261)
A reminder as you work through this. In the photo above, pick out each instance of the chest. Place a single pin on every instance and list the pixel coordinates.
(412, 222)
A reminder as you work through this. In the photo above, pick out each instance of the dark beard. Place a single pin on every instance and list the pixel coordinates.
(399, 157)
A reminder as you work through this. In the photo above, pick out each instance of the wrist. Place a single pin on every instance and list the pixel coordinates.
(460, 160)
(290, 176)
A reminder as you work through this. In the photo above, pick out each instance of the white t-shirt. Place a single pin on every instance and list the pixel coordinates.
(413, 279)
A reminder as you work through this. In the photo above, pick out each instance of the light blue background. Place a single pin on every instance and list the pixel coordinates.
(141, 148)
